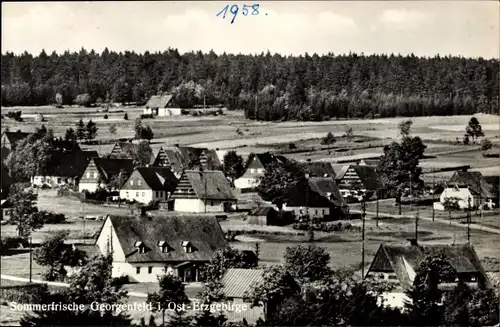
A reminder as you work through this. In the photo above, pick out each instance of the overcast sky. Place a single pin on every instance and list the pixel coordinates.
(425, 28)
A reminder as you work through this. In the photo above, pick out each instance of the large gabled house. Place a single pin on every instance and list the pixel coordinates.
(203, 191)
(320, 200)
(148, 184)
(124, 150)
(63, 168)
(255, 169)
(145, 247)
(358, 178)
(100, 171)
(178, 158)
(398, 263)
(161, 105)
(468, 186)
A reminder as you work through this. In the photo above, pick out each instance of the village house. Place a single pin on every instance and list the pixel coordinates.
(397, 264)
(161, 105)
(145, 247)
(148, 184)
(320, 200)
(64, 168)
(465, 186)
(256, 168)
(358, 179)
(9, 139)
(237, 283)
(203, 191)
(101, 171)
(124, 150)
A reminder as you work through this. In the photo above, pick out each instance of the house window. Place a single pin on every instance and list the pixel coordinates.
(323, 212)
(137, 194)
(150, 270)
(393, 277)
(139, 183)
(88, 175)
(95, 175)
(142, 194)
(316, 212)
(131, 182)
(137, 270)
(157, 194)
(59, 180)
(252, 170)
(161, 194)
(126, 194)
(211, 203)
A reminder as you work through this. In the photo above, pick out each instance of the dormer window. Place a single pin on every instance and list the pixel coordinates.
(473, 279)
(187, 246)
(163, 246)
(139, 183)
(140, 246)
(131, 182)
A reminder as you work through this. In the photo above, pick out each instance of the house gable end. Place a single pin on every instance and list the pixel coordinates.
(184, 189)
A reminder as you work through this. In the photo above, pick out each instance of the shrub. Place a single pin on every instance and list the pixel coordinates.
(105, 116)
(23, 293)
(16, 115)
(147, 116)
(153, 205)
(125, 117)
(51, 217)
(292, 146)
(7, 243)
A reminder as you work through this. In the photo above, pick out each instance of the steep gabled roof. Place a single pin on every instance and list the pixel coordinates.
(213, 181)
(238, 282)
(158, 178)
(109, 167)
(397, 257)
(267, 158)
(327, 187)
(159, 101)
(65, 164)
(202, 232)
(15, 137)
(367, 174)
(90, 154)
(474, 180)
(319, 169)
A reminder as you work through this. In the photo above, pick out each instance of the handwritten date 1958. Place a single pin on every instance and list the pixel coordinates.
(234, 9)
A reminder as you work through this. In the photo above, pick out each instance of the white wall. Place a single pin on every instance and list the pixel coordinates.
(313, 212)
(143, 196)
(91, 187)
(196, 205)
(244, 182)
(52, 181)
(462, 193)
(108, 234)
(130, 269)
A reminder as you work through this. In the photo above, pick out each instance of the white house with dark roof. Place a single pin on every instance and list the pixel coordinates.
(145, 247)
(237, 283)
(256, 168)
(161, 105)
(200, 191)
(147, 184)
(398, 263)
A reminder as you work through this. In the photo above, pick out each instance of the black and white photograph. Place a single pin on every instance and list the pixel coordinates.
(230, 164)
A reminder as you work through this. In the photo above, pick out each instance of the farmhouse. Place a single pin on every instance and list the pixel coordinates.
(321, 200)
(359, 178)
(397, 264)
(124, 150)
(161, 105)
(179, 158)
(148, 184)
(203, 191)
(100, 171)
(145, 247)
(63, 168)
(236, 284)
(256, 169)
(465, 185)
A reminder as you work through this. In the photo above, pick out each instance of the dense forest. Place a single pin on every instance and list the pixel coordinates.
(265, 86)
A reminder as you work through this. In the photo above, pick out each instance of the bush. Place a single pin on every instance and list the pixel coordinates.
(292, 146)
(327, 228)
(147, 116)
(153, 205)
(51, 217)
(16, 115)
(105, 116)
(8, 243)
(125, 117)
(23, 293)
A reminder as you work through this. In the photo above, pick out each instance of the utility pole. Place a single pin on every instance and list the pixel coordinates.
(31, 258)
(363, 240)
(480, 211)
(468, 220)
(433, 196)
(411, 194)
(416, 224)
(378, 193)
(205, 200)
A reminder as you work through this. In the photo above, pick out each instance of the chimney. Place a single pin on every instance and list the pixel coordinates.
(413, 242)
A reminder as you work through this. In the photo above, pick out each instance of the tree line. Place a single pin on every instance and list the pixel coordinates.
(267, 87)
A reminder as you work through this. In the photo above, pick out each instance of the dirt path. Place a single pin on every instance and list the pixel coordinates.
(454, 223)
